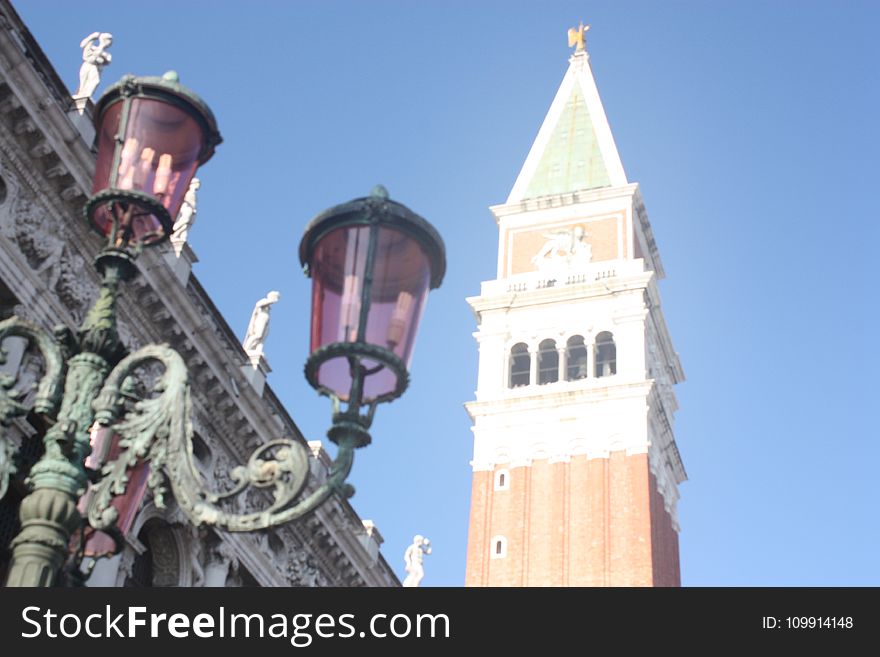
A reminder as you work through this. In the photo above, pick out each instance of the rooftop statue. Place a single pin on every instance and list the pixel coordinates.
(258, 328)
(413, 558)
(95, 58)
(186, 217)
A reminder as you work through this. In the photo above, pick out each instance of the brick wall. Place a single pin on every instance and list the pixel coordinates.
(588, 522)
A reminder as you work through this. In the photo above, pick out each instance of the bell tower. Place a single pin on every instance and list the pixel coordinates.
(575, 466)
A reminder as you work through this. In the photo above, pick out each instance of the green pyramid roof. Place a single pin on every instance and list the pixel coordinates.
(571, 160)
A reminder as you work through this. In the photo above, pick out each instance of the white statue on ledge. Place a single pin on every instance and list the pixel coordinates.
(95, 58)
(186, 217)
(413, 558)
(258, 328)
(567, 248)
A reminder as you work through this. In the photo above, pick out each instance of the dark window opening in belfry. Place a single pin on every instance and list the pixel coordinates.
(520, 365)
(548, 362)
(606, 355)
(576, 366)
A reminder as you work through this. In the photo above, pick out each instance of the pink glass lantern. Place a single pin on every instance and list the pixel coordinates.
(372, 262)
(152, 134)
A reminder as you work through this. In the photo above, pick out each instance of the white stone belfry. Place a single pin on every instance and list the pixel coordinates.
(575, 364)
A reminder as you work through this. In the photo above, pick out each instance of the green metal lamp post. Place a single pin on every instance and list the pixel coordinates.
(372, 262)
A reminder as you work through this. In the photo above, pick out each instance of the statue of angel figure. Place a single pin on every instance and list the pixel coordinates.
(414, 558)
(258, 328)
(95, 58)
(568, 245)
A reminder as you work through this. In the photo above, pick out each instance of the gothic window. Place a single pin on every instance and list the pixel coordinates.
(548, 362)
(576, 359)
(520, 365)
(499, 547)
(606, 354)
(502, 479)
(159, 563)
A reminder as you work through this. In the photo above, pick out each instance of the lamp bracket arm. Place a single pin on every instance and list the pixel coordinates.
(280, 512)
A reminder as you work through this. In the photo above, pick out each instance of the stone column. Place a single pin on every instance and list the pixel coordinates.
(533, 366)
(591, 356)
(563, 361)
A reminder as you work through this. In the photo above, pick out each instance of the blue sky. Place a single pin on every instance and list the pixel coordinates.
(752, 129)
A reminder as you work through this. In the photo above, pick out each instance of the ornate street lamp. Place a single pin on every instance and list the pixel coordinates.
(371, 254)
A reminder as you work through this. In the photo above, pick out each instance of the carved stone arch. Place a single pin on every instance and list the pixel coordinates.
(168, 555)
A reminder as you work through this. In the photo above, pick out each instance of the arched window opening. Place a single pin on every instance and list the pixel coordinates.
(606, 354)
(520, 365)
(548, 362)
(576, 366)
(159, 564)
(502, 480)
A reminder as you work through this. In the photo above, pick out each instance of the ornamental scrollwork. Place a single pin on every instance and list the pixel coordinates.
(13, 399)
(158, 428)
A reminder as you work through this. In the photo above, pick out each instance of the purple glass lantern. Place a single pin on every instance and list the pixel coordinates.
(152, 134)
(372, 262)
